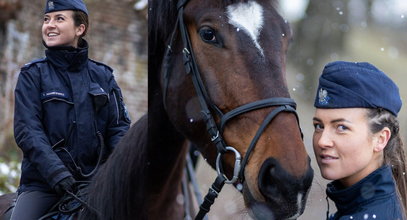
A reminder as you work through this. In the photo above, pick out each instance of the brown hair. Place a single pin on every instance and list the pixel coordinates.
(394, 153)
(79, 18)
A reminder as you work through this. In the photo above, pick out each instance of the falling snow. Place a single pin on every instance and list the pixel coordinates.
(180, 199)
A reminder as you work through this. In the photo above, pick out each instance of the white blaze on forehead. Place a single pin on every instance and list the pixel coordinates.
(247, 17)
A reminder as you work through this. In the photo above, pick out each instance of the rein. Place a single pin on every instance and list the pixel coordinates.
(215, 130)
(71, 204)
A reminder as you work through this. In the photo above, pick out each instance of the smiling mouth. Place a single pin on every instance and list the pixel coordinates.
(52, 35)
(327, 158)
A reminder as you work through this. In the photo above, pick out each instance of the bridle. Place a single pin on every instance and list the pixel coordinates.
(215, 130)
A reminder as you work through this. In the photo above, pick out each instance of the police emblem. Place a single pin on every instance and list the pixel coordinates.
(323, 97)
(50, 5)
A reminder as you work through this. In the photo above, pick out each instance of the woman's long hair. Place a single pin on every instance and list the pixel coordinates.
(394, 152)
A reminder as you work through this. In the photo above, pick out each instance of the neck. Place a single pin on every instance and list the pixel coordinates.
(166, 158)
(353, 179)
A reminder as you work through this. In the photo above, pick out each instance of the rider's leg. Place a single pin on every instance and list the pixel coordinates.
(32, 205)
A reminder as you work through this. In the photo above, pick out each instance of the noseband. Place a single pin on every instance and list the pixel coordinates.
(215, 130)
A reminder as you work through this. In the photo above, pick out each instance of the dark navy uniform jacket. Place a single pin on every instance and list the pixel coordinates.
(374, 197)
(61, 102)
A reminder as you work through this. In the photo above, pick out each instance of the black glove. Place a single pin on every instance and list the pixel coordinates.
(67, 184)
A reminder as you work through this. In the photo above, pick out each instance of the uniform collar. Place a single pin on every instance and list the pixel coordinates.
(70, 58)
(378, 184)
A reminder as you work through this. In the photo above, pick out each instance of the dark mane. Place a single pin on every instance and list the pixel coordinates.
(161, 21)
(127, 163)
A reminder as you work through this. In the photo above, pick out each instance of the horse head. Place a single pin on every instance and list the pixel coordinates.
(239, 50)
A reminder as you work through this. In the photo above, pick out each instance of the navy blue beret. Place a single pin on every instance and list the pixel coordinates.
(60, 5)
(356, 85)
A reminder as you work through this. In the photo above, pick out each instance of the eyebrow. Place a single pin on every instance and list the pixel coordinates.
(55, 15)
(333, 121)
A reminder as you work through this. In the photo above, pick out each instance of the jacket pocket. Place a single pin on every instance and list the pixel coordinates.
(57, 112)
(99, 97)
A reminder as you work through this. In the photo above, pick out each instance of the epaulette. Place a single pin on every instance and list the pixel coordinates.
(28, 65)
(102, 64)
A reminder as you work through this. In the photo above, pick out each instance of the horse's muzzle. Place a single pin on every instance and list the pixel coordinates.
(285, 194)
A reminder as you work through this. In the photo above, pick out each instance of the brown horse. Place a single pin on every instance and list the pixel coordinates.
(239, 48)
(222, 86)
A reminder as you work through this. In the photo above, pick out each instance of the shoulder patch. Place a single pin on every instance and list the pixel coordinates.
(101, 64)
(28, 65)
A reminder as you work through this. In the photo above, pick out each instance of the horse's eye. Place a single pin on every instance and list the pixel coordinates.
(208, 35)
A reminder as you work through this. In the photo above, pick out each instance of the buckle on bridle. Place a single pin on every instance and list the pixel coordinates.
(236, 169)
(214, 137)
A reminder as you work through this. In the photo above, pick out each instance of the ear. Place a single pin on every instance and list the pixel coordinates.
(80, 30)
(381, 139)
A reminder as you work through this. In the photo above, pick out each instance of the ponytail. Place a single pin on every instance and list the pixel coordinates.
(394, 152)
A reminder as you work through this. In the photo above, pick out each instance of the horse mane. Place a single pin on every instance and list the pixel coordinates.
(117, 190)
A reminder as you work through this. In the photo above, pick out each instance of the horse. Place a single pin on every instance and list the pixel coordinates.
(216, 79)
(239, 50)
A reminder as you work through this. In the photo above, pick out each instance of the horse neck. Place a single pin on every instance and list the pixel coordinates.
(166, 160)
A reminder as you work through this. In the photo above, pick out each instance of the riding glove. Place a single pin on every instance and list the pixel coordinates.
(65, 185)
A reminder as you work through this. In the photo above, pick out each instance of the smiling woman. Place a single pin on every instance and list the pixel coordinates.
(69, 112)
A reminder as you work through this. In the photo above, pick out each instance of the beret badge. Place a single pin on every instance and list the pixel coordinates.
(323, 97)
(51, 5)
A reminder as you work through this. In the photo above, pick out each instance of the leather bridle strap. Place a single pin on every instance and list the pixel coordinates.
(191, 68)
(266, 122)
(254, 106)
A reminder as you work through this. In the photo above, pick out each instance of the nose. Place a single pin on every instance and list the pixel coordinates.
(50, 23)
(323, 139)
(279, 187)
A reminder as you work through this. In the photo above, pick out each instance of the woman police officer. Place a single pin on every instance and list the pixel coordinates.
(69, 112)
(357, 142)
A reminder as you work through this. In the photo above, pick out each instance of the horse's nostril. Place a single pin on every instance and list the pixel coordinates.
(272, 170)
(269, 181)
(274, 181)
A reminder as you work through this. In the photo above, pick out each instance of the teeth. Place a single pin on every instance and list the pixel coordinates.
(52, 35)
